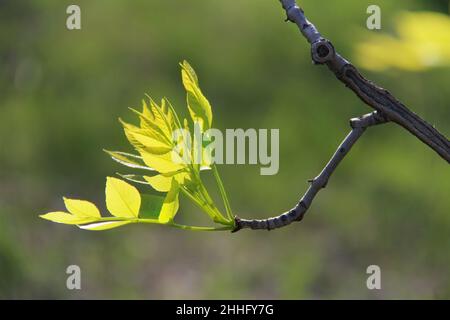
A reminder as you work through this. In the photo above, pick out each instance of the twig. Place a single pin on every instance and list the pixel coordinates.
(387, 107)
(359, 125)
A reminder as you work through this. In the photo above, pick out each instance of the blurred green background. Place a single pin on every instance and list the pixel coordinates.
(62, 91)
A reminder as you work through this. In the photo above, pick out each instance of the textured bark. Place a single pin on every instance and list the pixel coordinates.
(387, 107)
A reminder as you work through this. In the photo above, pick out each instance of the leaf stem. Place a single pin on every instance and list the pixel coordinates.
(173, 224)
(195, 228)
(205, 207)
(211, 204)
(223, 193)
(218, 217)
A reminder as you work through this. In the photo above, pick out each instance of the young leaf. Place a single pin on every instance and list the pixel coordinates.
(173, 113)
(122, 199)
(148, 124)
(100, 226)
(169, 114)
(134, 178)
(128, 160)
(159, 182)
(146, 140)
(161, 151)
(160, 120)
(81, 208)
(166, 163)
(170, 206)
(146, 113)
(198, 105)
(67, 218)
(190, 72)
(150, 144)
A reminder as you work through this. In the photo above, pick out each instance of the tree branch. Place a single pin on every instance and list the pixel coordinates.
(359, 125)
(323, 52)
(387, 107)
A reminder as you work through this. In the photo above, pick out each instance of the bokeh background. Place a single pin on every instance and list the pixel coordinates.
(61, 93)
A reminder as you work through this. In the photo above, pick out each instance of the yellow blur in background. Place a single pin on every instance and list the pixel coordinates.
(422, 42)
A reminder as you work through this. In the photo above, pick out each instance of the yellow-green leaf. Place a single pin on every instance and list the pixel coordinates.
(151, 126)
(172, 114)
(171, 204)
(169, 113)
(190, 72)
(122, 199)
(160, 119)
(183, 178)
(128, 160)
(166, 163)
(150, 144)
(100, 226)
(199, 107)
(159, 182)
(81, 208)
(135, 178)
(146, 113)
(67, 218)
(146, 139)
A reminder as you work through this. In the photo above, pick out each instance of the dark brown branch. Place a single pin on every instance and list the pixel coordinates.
(359, 125)
(323, 52)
